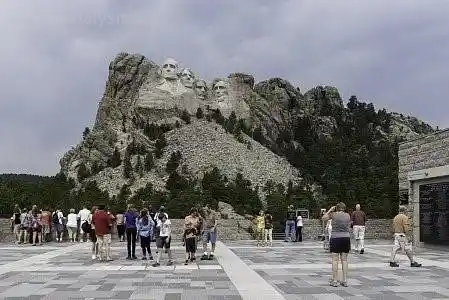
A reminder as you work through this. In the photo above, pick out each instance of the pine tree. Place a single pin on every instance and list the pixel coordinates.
(86, 132)
(173, 162)
(83, 172)
(115, 160)
(160, 144)
(199, 113)
(185, 116)
(139, 166)
(127, 167)
(149, 162)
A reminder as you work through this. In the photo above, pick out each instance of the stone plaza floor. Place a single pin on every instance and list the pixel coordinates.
(239, 271)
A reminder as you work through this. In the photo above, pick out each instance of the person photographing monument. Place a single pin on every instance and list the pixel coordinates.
(290, 225)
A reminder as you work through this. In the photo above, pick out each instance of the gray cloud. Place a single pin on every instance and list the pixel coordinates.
(55, 56)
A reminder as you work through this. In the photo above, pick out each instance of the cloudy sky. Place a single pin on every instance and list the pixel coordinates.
(54, 57)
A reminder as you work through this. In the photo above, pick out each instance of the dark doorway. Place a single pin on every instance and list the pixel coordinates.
(434, 213)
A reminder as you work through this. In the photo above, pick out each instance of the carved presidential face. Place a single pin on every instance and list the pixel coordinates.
(220, 89)
(201, 89)
(170, 69)
(187, 78)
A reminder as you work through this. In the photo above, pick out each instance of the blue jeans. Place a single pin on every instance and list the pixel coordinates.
(290, 230)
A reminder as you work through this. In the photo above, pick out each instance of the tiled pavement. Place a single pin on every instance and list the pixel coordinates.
(240, 271)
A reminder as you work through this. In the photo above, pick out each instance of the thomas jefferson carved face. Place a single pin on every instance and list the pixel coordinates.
(170, 69)
(220, 89)
(201, 89)
(187, 78)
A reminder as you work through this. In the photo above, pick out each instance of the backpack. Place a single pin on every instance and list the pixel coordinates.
(55, 218)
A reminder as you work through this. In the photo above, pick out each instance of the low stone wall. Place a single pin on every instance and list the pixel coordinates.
(230, 229)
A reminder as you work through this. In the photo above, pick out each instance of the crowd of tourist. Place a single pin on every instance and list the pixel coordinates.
(37, 226)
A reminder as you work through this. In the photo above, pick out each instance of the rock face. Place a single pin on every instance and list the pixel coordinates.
(140, 93)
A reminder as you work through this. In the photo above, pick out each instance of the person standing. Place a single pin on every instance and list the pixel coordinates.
(35, 227)
(58, 224)
(90, 231)
(259, 223)
(145, 227)
(84, 216)
(46, 222)
(299, 225)
(268, 232)
(120, 217)
(402, 228)
(72, 225)
(290, 225)
(190, 234)
(131, 217)
(209, 233)
(25, 221)
(103, 225)
(358, 219)
(163, 240)
(16, 222)
(340, 241)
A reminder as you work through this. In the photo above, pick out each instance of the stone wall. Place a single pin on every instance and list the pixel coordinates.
(422, 153)
(238, 230)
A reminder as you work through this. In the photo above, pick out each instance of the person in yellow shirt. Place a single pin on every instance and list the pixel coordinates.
(259, 223)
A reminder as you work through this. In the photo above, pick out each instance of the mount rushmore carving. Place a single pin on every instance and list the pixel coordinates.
(175, 88)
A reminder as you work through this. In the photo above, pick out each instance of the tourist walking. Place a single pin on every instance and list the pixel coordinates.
(84, 215)
(16, 222)
(131, 217)
(402, 228)
(58, 224)
(25, 220)
(290, 224)
(103, 224)
(120, 217)
(259, 227)
(209, 233)
(340, 242)
(299, 225)
(163, 240)
(268, 231)
(190, 234)
(90, 231)
(72, 225)
(145, 228)
(358, 219)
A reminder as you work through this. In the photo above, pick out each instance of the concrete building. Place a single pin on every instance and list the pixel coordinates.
(424, 186)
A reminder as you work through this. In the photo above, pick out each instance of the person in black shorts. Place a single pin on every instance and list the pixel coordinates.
(340, 242)
(163, 240)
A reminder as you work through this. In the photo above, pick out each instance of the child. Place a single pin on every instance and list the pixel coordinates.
(327, 234)
(190, 235)
(145, 226)
(164, 239)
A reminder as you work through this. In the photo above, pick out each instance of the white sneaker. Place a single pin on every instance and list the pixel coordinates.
(94, 256)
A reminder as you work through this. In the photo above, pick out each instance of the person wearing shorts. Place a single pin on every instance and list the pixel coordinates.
(340, 242)
(209, 233)
(401, 226)
(163, 240)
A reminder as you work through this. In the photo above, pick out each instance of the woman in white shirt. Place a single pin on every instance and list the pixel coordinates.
(72, 225)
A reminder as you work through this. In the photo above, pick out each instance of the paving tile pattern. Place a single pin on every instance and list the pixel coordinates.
(76, 276)
(367, 281)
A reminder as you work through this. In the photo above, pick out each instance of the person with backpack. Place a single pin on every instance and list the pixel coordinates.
(58, 224)
(145, 227)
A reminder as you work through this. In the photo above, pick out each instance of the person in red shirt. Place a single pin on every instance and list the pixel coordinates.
(103, 225)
